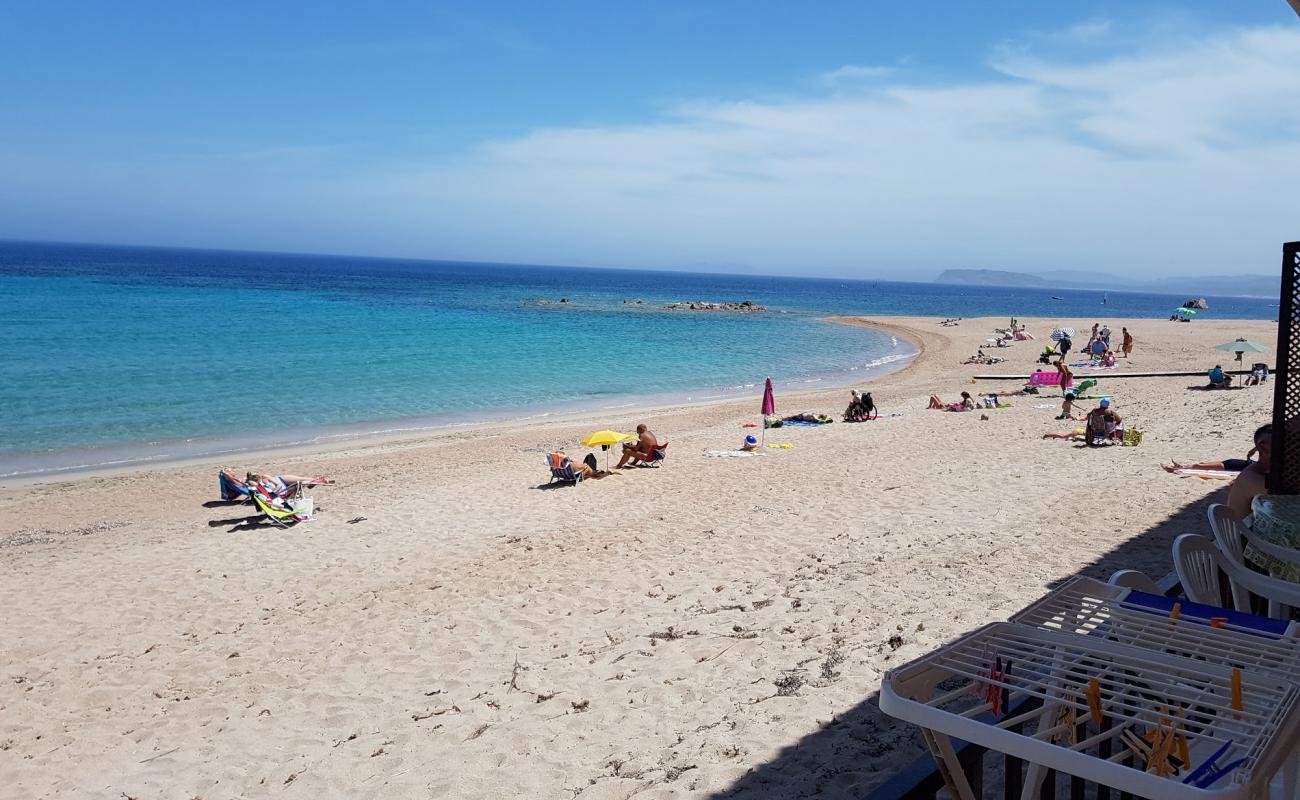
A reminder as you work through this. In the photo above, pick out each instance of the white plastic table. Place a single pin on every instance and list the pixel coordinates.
(1276, 518)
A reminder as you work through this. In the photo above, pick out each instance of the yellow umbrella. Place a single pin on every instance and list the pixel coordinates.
(604, 439)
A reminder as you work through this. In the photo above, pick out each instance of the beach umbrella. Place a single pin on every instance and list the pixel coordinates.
(1241, 346)
(769, 406)
(604, 439)
(1062, 333)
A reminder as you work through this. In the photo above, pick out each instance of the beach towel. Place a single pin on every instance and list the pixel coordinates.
(799, 423)
(781, 446)
(1045, 407)
(728, 453)
(1206, 474)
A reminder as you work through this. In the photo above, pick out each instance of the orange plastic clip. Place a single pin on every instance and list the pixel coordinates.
(1218, 622)
(1176, 611)
(1094, 700)
(1237, 704)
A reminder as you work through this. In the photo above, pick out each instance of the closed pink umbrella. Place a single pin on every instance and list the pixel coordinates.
(769, 406)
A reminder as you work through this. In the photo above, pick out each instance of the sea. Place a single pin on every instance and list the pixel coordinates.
(118, 356)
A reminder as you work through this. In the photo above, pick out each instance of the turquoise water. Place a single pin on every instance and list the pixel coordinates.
(135, 354)
(120, 355)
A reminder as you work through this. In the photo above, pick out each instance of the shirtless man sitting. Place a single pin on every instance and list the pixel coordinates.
(642, 449)
(1253, 480)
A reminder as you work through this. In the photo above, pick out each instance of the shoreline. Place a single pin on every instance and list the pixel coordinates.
(334, 439)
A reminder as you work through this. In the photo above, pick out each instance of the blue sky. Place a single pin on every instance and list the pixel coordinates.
(859, 139)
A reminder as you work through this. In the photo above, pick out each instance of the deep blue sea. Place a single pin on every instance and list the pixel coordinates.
(117, 354)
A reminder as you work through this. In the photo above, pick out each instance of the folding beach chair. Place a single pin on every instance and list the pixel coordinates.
(232, 488)
(285, 513)
(656, 455)
(562, 469)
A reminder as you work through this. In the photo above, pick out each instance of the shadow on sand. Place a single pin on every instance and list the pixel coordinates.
(829, 762)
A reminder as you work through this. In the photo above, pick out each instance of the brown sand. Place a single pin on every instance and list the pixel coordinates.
(715, 626)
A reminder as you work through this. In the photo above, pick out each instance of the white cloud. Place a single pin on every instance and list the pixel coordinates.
(1169, 159)
(856, 72)
(1178, 155)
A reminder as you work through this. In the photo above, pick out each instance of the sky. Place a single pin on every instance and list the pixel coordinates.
(854, 139)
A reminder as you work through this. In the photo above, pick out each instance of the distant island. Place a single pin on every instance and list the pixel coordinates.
(1223, 285)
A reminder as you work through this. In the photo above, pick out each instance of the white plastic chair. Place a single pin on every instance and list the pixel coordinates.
(1132, 579)
(1198, 562)
(1229, 534)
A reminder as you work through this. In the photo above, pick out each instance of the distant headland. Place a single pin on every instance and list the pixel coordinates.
(1222, 285)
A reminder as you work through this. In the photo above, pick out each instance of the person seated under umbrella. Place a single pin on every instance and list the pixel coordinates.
(643, 448)
(1218, 379)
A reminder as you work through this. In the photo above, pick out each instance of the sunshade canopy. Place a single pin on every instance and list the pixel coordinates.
(1241, 346)
(605, 437)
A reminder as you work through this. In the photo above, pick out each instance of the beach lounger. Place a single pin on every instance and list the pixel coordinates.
(1044, 378)
(561, 467)
(232, 488)
(285, 513)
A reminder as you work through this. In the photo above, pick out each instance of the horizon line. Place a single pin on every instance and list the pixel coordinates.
(427, 260)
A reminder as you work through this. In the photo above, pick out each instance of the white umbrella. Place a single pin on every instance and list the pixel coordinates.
(1062, 333)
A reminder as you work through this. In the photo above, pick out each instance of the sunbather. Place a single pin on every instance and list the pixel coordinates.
(276, 485)
(967, 403)
(642, 449)
(281, 485)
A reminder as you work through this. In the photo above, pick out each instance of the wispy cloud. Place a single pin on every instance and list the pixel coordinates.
(1165, 157)
(855, 72)
(1176, 153)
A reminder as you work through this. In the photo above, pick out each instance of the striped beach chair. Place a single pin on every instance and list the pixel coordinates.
(562, 469)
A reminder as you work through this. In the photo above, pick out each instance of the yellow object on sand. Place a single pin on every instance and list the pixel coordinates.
(605, 437)
(785, 446)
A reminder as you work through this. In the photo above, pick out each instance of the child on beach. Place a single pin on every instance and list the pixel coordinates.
(1067, 407)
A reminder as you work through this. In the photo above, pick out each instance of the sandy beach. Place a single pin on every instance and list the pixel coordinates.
(450, 627)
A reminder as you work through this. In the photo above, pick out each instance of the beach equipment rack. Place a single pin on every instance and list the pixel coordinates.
(1120, 692)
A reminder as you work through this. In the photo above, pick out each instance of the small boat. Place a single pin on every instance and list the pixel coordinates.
(1054, 297)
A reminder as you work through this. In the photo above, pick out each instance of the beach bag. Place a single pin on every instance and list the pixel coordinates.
(590, 461)
(1132, 437)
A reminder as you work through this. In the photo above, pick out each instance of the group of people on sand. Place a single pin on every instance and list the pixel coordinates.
(641, 451)
(1099, 347)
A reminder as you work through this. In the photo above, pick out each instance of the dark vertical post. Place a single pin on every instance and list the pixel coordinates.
(1284, 477)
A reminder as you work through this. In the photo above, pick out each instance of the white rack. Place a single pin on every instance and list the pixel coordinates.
(946, 693)
(1089, 607)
